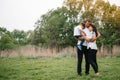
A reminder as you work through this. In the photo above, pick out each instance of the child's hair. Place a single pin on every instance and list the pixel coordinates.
(94, 29)
(83, 25)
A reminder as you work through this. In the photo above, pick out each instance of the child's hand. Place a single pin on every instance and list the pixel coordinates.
(80, 38)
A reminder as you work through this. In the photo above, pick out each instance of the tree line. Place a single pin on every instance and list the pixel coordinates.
(55, 28)
(16, 38)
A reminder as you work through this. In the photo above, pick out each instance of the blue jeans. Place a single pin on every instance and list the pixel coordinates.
(80, 45)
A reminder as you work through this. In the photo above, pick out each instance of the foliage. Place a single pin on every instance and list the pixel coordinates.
(6, 42)
(55, 28)
(21, 36)
(11, 40)
(3, 31)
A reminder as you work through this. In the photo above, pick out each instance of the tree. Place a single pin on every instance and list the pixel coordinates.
(29, 37)
(3, 31)
(20, 36)
(6, 42)
(55, 28)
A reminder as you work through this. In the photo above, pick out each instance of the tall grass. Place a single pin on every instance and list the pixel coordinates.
(32, 51)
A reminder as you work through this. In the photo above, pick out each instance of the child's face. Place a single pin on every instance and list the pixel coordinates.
(82, 26)
(90, 28)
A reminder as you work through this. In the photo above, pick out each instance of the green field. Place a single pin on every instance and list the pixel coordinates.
(55, 69)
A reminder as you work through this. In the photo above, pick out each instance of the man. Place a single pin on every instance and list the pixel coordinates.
(83, 51)
(80, 52)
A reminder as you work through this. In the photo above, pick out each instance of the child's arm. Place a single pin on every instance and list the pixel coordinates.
(80, 38)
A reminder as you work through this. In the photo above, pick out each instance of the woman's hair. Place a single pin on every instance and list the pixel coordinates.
(94, 29)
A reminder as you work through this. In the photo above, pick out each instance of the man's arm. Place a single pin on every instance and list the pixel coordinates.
(87, 39)
(92, 39)
(98, 36)
(80, 37)
(84, 37)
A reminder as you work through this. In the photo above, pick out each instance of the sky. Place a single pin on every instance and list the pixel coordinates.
(22, 14)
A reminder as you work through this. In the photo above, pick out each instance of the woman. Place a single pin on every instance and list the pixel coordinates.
(92, 47)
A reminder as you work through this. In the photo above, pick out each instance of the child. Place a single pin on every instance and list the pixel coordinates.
(78, 33)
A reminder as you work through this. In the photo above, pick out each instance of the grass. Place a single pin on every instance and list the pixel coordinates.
(55, 69)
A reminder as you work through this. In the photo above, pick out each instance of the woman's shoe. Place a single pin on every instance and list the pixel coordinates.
(97, 74)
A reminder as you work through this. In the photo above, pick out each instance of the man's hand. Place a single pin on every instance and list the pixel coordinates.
(80, 38)
(98, 35)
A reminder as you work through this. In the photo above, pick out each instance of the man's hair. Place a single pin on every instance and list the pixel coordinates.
(88, 20)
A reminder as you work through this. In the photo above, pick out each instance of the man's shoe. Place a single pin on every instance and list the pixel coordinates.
(86, 74)
(80, 74)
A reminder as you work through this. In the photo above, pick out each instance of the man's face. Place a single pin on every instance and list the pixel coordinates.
(88, 23)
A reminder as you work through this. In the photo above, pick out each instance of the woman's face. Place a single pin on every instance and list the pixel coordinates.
(90, 28)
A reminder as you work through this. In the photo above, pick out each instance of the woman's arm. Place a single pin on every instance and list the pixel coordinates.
(98, 36)
(84, 36)
(90, 39)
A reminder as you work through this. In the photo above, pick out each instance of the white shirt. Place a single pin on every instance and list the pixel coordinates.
(92, 45)
(87, 32)
(77, 30)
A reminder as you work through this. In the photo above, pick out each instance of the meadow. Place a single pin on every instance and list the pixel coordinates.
(56, 68)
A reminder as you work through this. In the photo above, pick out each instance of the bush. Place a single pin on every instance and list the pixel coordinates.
(6, 42)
